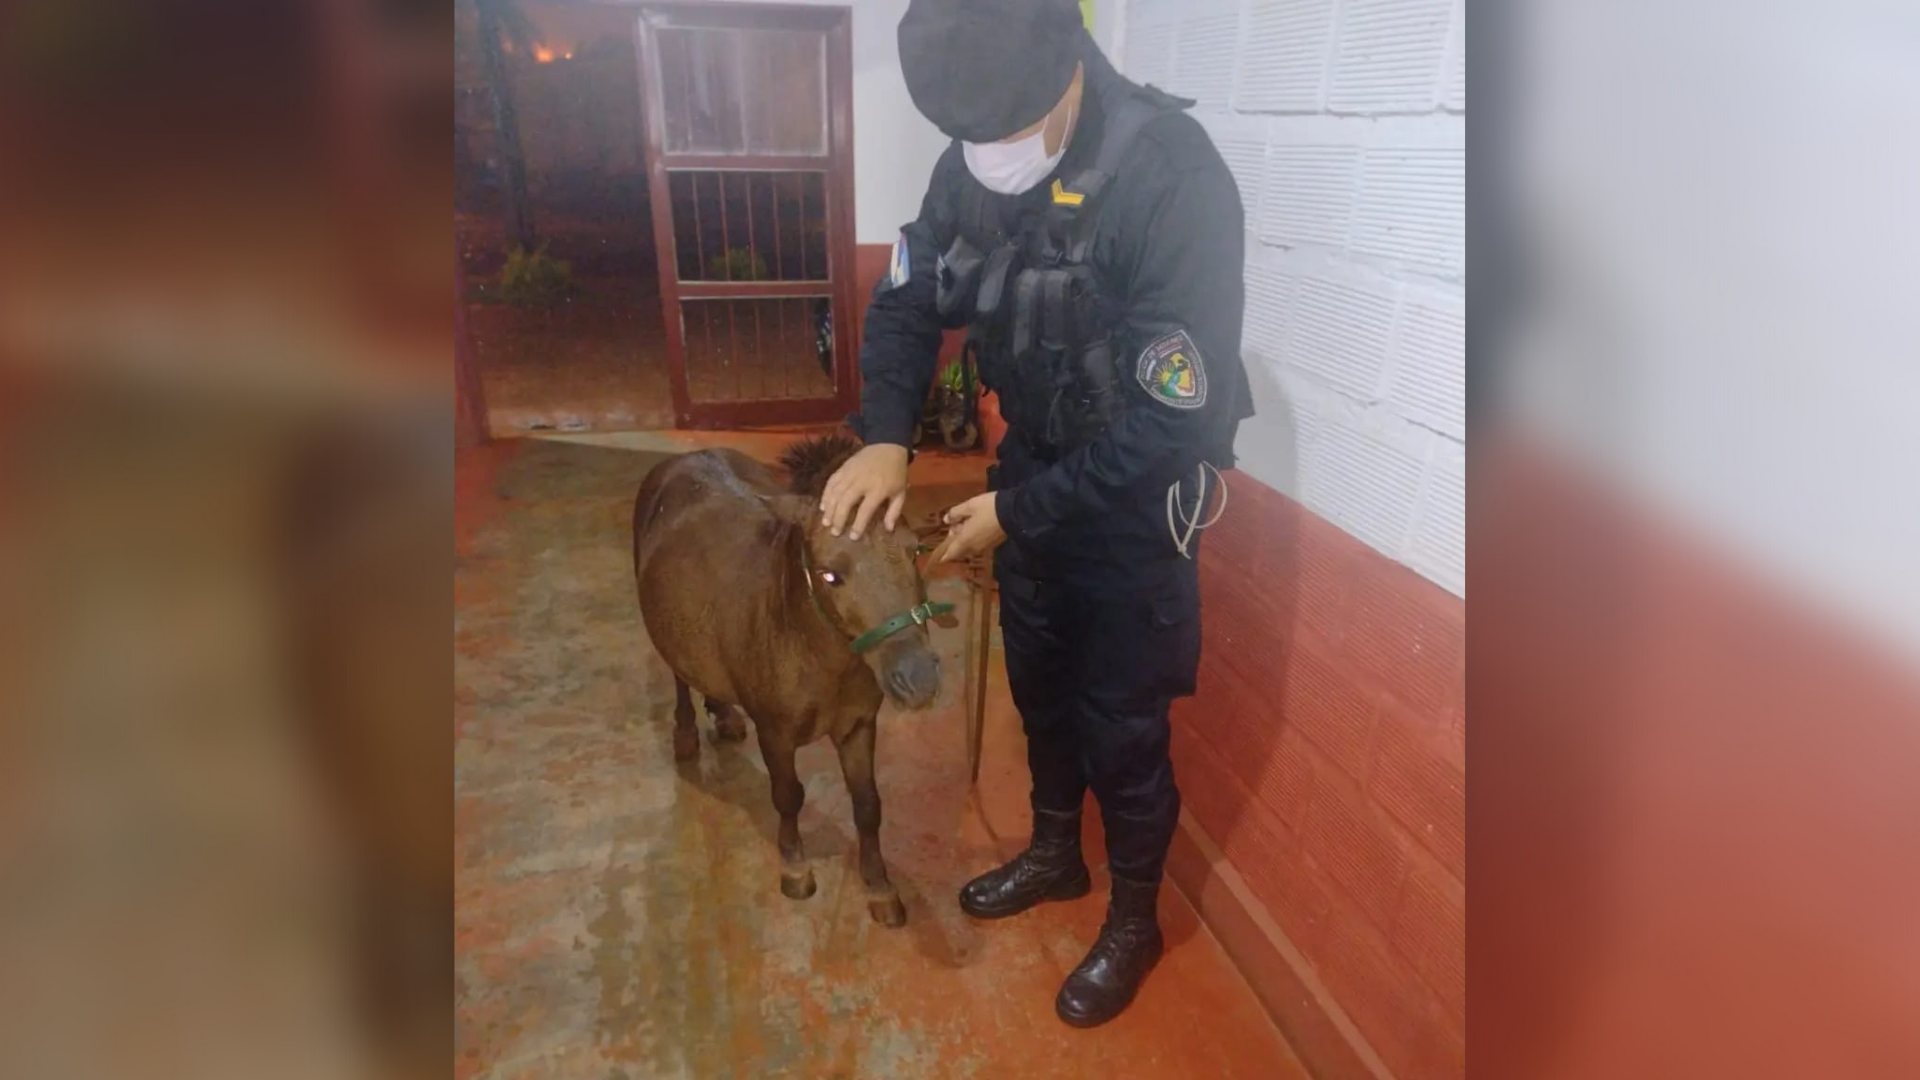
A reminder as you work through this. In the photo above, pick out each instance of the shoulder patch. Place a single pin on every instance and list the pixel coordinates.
(1171, 372)
(900, 268)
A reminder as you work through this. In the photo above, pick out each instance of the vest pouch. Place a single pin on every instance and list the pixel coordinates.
(1099, 378)
(993, 280)
(991, 362)
(1036, 387)
(1064, 427)
(1087, 399)
(959, 280)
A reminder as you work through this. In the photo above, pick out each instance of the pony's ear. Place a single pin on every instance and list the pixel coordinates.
(802, 510)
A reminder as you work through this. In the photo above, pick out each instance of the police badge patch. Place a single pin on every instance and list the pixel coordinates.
(1170, 371)
(901, 267)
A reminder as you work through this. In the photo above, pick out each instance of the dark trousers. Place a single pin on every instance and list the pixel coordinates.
(1094, 658)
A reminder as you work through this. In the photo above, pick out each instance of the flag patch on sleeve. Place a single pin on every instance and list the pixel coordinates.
(901, 267)
(1170, 371)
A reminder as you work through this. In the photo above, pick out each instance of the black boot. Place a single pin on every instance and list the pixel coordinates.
(1050, 869)
(1128, 947)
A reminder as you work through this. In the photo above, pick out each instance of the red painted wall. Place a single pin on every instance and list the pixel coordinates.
(1699, 802)
(1705, 799)
(1324, 758)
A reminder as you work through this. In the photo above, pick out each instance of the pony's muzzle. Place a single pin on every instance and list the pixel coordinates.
(913, 677)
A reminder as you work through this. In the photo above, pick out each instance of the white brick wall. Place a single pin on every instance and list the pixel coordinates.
(1344, 122)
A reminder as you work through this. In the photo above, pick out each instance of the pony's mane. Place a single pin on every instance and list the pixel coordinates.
(810, 462)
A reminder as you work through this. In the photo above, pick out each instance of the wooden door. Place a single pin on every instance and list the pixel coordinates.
(749, 118)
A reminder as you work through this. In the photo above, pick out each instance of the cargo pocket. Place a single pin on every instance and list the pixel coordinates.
(1176, 635)
(1037, 640)
(1142, 652)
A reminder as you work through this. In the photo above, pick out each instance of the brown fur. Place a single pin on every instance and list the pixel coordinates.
(718, 542)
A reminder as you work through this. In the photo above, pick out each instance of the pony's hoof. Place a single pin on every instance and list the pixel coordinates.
(888, 912)
(798, 887)
(686, 744)
(730, 726)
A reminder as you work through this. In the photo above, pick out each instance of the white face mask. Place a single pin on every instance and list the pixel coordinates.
(1011, 168)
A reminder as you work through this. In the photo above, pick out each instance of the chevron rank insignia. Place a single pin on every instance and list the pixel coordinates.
(1170, 371)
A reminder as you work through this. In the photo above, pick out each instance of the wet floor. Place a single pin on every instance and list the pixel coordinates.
(619, 916)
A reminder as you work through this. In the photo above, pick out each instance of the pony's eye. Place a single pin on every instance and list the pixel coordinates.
(830, 577)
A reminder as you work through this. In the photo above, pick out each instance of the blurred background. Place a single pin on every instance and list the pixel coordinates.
(225, 497)
(225, 366)
(1696, 524)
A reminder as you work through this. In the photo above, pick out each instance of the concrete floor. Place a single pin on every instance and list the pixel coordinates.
(619, 917)
(597, 363)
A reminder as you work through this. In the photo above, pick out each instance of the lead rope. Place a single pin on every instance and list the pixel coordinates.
(1182, 541)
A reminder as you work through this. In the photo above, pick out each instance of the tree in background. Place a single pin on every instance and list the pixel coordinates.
(503, 26)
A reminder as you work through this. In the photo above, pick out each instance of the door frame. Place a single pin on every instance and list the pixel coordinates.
(836, 24)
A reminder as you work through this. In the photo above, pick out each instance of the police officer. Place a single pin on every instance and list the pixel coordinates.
(1086, 232)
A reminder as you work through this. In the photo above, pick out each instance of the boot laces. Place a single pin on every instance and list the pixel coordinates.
(1119, 934)
(1048, 859)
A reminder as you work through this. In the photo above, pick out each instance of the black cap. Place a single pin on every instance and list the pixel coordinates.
(982, 70)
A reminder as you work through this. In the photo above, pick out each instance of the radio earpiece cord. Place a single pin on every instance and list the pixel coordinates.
(1193, 524)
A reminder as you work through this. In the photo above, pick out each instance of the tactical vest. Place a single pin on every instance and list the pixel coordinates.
(1047, 337)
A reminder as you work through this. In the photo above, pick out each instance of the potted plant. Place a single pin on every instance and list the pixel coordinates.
(951, 409)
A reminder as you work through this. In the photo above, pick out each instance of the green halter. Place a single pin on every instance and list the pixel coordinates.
(918, 615)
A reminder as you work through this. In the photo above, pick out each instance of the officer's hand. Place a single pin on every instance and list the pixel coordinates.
(876, 475)
(974, 530)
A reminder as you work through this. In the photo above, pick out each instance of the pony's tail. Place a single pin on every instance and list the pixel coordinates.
(810, 462)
